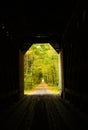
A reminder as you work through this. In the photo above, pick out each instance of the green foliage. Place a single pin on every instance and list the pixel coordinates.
(41, 62)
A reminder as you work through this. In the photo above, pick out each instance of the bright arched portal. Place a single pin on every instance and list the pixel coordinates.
(42, 74)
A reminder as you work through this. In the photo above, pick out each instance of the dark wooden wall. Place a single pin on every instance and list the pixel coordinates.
(76, 59)
(9, 68)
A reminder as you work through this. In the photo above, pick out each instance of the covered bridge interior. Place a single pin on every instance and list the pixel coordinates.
(64, 25)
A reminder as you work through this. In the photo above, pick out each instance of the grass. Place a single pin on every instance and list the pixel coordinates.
(54, 89)
(27, 91)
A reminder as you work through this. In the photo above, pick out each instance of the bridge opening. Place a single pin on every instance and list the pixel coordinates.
(42, 70)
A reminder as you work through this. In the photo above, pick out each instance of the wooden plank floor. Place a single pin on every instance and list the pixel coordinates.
(40, 112)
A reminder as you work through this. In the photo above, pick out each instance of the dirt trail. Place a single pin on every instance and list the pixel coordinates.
(41, 89)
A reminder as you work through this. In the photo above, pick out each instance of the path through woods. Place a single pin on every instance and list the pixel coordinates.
(42, 89)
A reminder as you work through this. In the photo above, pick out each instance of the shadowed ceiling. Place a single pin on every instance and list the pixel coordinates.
(27, 20)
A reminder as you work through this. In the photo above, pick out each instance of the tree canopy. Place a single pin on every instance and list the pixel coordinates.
(41, 64)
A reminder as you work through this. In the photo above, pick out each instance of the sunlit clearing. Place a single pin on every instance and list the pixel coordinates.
(41, 70)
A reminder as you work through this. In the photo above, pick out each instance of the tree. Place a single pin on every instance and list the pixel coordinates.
(41, 62)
